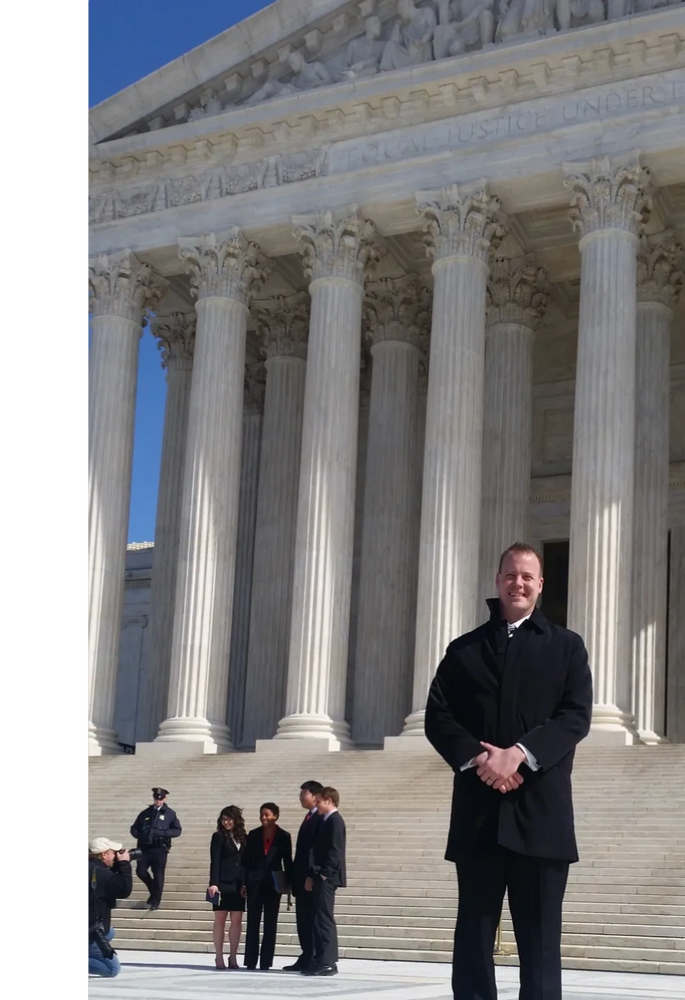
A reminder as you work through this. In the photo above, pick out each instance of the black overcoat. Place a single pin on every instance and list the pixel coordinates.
(328, 851)
(534, 689)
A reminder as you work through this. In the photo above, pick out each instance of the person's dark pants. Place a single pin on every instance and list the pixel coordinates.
(325, 931)
(304, 917)
(536, 889)
(154, 858)
(261, 899)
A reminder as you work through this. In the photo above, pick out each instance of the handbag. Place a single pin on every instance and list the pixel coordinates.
(280, 881)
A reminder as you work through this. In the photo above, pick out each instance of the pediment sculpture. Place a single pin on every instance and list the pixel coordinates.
(422, 32)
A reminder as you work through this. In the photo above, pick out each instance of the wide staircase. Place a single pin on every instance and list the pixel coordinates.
(625, 903)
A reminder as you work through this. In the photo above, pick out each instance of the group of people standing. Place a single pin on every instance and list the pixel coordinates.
(254, 870)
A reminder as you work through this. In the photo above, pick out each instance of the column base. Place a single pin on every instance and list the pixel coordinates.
(294, 745)
(652, 739)
(414, 725)
(209, 737)
(611, 727)
(102, 742)
(316, 730)
(408, 743)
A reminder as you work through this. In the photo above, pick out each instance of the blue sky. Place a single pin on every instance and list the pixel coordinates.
(128, 40)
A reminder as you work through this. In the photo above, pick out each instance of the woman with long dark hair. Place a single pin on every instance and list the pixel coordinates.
(225, 860)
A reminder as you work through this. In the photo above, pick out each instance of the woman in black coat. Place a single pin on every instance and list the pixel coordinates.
(225, 859)
(268, 850)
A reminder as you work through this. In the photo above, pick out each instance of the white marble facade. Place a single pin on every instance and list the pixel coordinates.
(415, 273)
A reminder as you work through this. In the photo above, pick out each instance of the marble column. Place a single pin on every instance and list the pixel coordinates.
(608, 201)
(253, 417)
(282, 323)
(461, 224)
(516, 303)
(337, 251)
(121, 289)
(397, 321)
(176, 336)
(223, 271)
(659, 280)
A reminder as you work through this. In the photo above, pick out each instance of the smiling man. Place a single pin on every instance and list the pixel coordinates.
(507, 707)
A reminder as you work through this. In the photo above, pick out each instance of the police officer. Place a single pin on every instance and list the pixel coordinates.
(154, 829)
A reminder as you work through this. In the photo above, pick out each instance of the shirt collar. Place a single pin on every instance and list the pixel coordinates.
(333, 810)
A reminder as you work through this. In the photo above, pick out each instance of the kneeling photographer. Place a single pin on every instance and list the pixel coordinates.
(109, 878)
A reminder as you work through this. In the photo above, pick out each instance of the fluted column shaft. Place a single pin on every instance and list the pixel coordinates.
(221, 273)
(516, 304)
(450, 506)
(176, 335)
(659, 280)
(602, 487)
(244, 564)
(121, 288)
(389, 552)
(336, 251)
(276, 521)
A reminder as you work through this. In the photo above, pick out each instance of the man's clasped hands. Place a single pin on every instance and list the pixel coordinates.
(499, 768)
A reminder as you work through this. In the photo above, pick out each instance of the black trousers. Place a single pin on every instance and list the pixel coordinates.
(261, 898)
(154, 858)
(304, 917)
(536, 889)
(325, 931)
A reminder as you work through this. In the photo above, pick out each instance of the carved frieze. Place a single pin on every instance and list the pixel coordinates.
(399, 34)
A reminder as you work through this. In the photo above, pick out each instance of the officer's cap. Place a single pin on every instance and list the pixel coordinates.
(159, 793)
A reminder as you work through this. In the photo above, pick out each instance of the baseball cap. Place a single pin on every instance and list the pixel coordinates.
(100, 844)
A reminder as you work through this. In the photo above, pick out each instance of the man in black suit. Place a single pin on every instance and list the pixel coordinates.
(507, 707)
(154, 829)
(304, 901)
(327, 873)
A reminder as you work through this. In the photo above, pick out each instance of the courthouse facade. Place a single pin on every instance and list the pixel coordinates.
(414, 271)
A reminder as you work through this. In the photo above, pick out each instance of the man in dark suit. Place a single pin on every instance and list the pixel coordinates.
(154, 829)
(507, 707)
(327, 873)
(304, 901)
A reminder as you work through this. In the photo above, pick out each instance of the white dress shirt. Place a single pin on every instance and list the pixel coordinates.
(333, 810)
(531, 761)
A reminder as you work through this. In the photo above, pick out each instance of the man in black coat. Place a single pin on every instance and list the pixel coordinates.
(507, 707)
(327, 873)
(109, 879)
(154, 829)
(304, 901)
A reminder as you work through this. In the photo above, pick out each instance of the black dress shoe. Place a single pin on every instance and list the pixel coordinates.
(296, 967)
(325, 970)
(153, 906)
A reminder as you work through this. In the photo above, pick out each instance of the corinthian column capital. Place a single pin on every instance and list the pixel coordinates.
(461, 221)
(517, 291)
(176, 339)
(122, 285)
(608, 194)
(336, 244)
(398, 309)
(283, 324)
(222, 268)
(660, 260)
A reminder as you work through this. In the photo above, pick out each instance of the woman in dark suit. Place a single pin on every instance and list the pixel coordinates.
(268, 849)
(225, 859)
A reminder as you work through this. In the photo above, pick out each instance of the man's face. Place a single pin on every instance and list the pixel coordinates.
(158, 802)
(108, 857)
(519, 584)
(373, 27)
(307, 800)
(324, 806)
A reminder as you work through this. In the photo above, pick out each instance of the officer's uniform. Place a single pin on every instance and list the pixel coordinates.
(154, 829)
